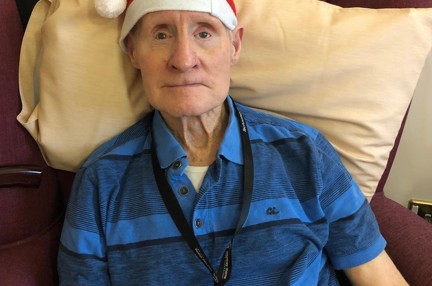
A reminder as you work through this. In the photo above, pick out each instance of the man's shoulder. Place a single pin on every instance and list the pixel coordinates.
(131, 141)
(265, 122)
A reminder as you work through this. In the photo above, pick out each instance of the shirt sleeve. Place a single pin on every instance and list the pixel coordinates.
(82, 259)
(354, 236)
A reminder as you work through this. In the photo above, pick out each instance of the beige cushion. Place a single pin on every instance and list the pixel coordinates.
(349, 72)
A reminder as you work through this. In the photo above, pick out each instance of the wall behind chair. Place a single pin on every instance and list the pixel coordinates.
(411, 174)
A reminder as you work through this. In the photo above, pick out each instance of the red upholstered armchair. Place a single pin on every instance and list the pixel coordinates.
(33, 195)
(31, 199)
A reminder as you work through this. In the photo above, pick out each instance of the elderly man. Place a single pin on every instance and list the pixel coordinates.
(205, 191)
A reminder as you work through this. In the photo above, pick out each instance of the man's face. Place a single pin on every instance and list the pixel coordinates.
(185, 60)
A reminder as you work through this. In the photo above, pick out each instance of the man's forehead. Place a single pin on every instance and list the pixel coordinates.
(174, 16)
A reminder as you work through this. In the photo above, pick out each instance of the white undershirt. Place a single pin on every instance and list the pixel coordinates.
(196, 175)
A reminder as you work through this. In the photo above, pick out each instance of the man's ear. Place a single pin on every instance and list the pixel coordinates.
(237, 37)
(131, 49)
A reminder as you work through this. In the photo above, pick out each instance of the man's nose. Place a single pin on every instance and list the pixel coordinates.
(184, 55)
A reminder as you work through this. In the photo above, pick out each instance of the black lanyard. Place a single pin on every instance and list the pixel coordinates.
(175, 210)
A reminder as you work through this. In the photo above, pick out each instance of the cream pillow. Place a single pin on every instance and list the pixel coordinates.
(350, 72)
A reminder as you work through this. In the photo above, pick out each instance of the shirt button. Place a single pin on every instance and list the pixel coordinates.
(177, 165)
(198, 223)
(183, 191)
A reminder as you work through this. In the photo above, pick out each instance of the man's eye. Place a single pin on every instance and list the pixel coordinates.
(204, 35)
(161, 36)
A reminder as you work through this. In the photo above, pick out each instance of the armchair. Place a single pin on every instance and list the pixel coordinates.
(31, 200)
(407, 234)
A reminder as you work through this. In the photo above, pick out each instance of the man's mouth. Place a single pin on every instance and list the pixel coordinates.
(185, 84)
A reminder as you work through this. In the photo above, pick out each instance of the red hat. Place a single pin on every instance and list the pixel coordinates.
(224, 10)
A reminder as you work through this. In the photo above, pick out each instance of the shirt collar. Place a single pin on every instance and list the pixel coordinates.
(169, 150)
(231, 147)
(167, 147)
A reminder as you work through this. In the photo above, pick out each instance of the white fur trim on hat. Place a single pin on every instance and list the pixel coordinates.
(138, 8)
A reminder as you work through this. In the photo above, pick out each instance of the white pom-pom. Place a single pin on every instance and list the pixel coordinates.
(110, 8)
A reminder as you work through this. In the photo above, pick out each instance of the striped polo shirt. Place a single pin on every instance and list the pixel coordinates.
(307, 216)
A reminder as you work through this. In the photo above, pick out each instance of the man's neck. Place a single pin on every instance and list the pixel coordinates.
(200, 136)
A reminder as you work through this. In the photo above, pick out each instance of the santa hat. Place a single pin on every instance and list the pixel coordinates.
(224, 10)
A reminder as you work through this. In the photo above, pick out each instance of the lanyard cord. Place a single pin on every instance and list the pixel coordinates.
(177, 215)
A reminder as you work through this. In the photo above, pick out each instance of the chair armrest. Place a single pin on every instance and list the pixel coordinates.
(25, 176)
(408, 237)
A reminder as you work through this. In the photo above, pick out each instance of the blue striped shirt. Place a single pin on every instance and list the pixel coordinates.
(307, 217)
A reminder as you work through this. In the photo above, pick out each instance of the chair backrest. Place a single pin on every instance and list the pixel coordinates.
(377, 4)
(27, 185)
